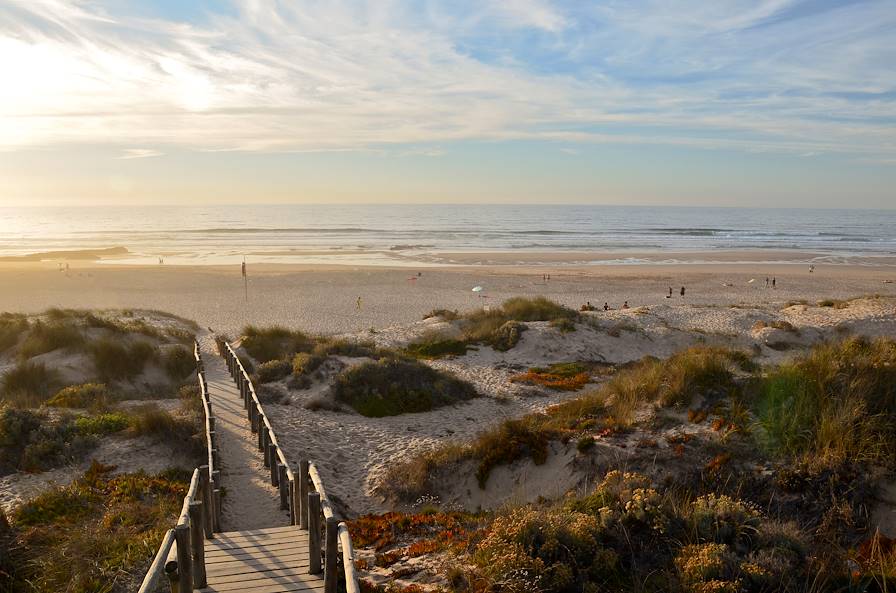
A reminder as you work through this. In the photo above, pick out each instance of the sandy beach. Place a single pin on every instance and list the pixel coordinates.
(323, 298)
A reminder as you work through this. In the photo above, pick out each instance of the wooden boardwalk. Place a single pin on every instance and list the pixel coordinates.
(270, 560)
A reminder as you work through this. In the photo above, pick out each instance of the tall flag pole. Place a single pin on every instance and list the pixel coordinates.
(245, 280)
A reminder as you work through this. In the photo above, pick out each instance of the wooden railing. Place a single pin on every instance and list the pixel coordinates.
(303, 495)
(181, 557)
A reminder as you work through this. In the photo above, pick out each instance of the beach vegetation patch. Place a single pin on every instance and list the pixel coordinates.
(32, 441)
(563, 376)
(12, 326)
(116, 360)
(101, 529)
(88, 395)
(392, 386)
(834, 403)
(501, 327)
(443, 314)
(179, 363)
(46, 337)
(273, 343)
(29, 383)
(102, 424)
(273, 370)
(435, 345)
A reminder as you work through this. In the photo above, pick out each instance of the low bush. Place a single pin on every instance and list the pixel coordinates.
(31, 441)
(544, 550)
(389, 387)
(29, 382)
(273, 343)
(179, 363)
(47, 337)
(273, 370)
(115, 360)
(564, 325)
(103, 424)
(88, 395)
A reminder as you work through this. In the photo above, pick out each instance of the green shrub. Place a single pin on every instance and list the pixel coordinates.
(564, 324)
(272, 343)
(721, 519)
(390, 387)
(273, 370)
(29, 381)
(179, 363)
(88, 395)
(103, 424)
(835, 403)
(47, 337)
(436, 346)
(115, 360)
(31, 441)
(12, 326)
(150, 420)
(585, 444)
(305, 363)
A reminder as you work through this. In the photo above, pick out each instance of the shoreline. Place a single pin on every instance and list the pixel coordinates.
(404, 259)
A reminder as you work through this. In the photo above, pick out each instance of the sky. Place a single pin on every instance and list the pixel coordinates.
(737, 103)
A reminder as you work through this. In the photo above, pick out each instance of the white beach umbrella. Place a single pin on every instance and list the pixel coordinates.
(478, 289)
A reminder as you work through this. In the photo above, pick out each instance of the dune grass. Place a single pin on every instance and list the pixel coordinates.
(87, 536)
(46, 337)
(835, 403)
(32, 441)
(435, 345)
(12, 326)
(613, 405)
(28, 383)
(115, 360)
(273, 343)
(178, 362)
(391, 386)
(501, 327)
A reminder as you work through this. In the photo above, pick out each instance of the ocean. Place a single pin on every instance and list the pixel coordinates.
(408, 234)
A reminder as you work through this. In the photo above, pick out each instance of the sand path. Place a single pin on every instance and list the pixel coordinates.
(250, 502)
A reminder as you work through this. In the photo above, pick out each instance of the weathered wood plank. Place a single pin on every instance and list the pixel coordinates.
(283, 555)
(248, 566)
(257, 550)
(231, 543)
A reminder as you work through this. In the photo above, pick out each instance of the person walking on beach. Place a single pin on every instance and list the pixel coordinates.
(670, 292)
(682, 292)
(359, 303)
(766, 281)
(606, 306)
(774, 281)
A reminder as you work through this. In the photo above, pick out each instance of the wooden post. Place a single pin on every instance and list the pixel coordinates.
(303, 494)
(272, 462)
(253, 418)
(314, 566)
(283, 485)
(216, 501)
(211, 423)
(171, 573)
(205, 487)
(265, 449)
(293, 500)
(260, 432)
(330, 553)
(197, 544)
(184, 562)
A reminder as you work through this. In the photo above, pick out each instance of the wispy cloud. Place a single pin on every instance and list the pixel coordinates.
(140, 153)
(777, 75)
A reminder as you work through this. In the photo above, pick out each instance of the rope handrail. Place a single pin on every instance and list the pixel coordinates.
(305, 506)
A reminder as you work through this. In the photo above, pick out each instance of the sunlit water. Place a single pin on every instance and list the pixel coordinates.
(405, 233)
